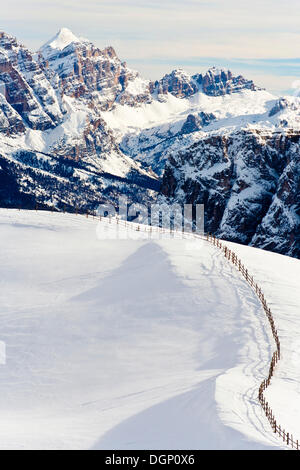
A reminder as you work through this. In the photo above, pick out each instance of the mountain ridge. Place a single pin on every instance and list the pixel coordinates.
(77, 127)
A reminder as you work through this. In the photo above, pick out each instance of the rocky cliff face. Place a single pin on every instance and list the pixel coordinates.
(55, 147)
(26, 87)
(10, 121)
(280, 228)
(215, 82)
(221, 82)
(178, 83)
(249, 183)
(85, 71)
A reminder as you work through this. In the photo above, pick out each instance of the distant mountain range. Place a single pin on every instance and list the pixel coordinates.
(78, 127)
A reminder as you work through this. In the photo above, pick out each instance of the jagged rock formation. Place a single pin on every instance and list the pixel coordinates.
(178, 83)
(249, 183)
(195, 123)
(220, 82)
(27, 89)
(85, 71)
(279, 230)
(215, 82)
(10, 121)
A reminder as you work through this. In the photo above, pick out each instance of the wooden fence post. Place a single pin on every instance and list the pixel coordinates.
(232, 257)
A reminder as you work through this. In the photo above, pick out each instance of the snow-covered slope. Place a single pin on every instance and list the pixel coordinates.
(279, 277)
(153, 131)
(135, 343)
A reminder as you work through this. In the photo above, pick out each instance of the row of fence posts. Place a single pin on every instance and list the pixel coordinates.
(233, 258)
(136, 227)
(277, 429)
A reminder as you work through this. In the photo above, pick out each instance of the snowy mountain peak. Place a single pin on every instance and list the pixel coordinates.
(8, 42)
(4, 35)
(179, 83)
(180, 72)
(219, 81)
(218, 71)
(62, 39)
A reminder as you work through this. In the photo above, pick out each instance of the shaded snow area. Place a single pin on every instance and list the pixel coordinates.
(279, 278)
(137, 344)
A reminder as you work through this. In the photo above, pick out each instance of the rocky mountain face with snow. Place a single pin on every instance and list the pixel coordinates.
(26, 87)
(84, 71)
(214, 82)
(55, 147)
(79, 127)
(249, 181)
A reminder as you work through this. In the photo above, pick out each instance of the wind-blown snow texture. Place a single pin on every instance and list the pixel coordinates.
(78, 127)
(137, 344)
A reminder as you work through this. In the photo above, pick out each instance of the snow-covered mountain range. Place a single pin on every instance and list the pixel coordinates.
(78, 126)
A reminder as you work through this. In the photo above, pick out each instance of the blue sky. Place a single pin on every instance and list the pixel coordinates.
(258, 39)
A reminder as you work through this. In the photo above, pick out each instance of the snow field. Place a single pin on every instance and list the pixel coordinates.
(137, 344)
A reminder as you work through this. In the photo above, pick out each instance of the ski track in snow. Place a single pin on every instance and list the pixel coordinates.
(259, 348)
(127, 344)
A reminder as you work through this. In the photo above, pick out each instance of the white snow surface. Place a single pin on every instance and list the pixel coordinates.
(69, 132)
(62, 39)
(138, 344)
(232, 111)
(137, 86)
